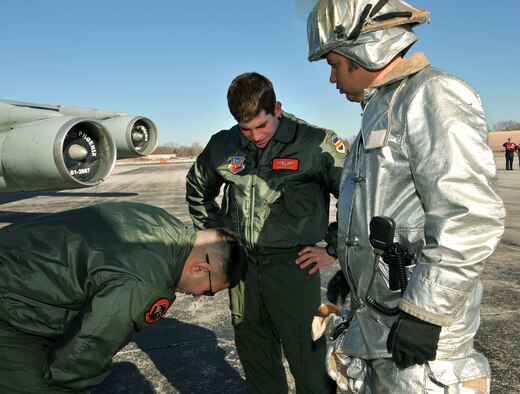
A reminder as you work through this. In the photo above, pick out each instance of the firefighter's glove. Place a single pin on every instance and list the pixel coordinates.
(412, 341)
(337, 288)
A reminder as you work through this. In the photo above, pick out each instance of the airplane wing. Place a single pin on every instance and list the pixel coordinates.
(52, 147)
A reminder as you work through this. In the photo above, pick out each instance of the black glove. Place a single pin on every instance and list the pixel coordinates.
(337, 287)
(412, 341)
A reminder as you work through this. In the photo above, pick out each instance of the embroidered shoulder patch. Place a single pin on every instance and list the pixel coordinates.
(285, 164)
(337, 143)
(236, 164)
(157, 310)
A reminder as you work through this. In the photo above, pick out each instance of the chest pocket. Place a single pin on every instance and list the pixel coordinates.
(303, 201)
(376, 139)
(34, 317)
(381, 122)
(298, 217)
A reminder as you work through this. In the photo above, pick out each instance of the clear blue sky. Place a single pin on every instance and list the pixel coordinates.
(173, 60)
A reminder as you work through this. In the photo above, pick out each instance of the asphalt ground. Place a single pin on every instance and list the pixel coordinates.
(191, 349)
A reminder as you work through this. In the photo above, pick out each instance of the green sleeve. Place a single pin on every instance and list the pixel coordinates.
(82, 357)
(202, 188)
(334, 155)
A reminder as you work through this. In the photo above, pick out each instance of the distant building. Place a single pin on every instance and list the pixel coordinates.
(497, 138)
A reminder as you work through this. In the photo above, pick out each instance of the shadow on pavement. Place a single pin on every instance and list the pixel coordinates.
(187, 356)
(6, 198)
(125, 378)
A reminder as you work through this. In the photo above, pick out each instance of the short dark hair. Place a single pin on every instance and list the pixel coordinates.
(249, 94)
(233, 257)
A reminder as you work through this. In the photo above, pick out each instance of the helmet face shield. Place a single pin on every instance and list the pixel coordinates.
(375, 49)
(354, 24)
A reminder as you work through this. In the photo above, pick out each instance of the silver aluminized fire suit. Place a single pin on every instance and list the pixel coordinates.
(421, 158)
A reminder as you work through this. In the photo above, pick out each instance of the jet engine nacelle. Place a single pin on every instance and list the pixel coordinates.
(59, 152)
(134, 135)
(45, 147)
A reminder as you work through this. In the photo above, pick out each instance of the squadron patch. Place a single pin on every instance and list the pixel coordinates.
(157, 310)
(236, 164)
(338, 144)
(285, 164)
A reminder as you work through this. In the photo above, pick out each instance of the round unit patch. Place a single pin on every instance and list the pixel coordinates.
(157, 310)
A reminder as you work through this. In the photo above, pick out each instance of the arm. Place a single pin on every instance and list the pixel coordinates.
(202, 188)
(332, 158)
(334, 153)
(82, 357)
(314, 254)
(455, 178)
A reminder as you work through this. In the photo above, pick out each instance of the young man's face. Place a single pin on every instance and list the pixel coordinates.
(198, 279)
(200, 282)
(262, 127)
(202, 287)
(350, 81)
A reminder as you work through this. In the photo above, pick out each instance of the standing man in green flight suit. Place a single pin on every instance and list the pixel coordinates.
(75, 285)
(278, 173)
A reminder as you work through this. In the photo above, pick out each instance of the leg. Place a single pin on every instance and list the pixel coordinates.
(261, 357)
(236, 303)
(22, 358)
(257, 345)
(383, 377)
(468, 374)
(292, 297)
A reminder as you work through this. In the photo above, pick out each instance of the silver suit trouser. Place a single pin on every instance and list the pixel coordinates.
(468, 374)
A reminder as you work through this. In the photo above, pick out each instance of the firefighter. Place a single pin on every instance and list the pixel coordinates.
(420, 161)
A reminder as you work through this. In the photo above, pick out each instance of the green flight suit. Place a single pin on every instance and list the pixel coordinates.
(276, 200)
(75, 285)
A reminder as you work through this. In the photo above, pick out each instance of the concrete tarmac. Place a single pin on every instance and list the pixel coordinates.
(191, 349)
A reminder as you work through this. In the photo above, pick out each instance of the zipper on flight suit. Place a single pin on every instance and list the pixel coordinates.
(254, 173)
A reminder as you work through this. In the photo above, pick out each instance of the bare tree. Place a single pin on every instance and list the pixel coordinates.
(166, 149)
(506, 125)
(179, 150)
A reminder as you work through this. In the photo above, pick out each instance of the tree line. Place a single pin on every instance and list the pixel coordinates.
(506, 125)
(195, 149)
(172, 148)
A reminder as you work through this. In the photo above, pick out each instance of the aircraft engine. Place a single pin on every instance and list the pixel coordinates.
(60, 152)
(133, 135)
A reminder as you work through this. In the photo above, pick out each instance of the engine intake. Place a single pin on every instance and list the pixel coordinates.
(60, 152)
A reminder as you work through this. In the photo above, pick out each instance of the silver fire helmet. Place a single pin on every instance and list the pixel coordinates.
(370, 32)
